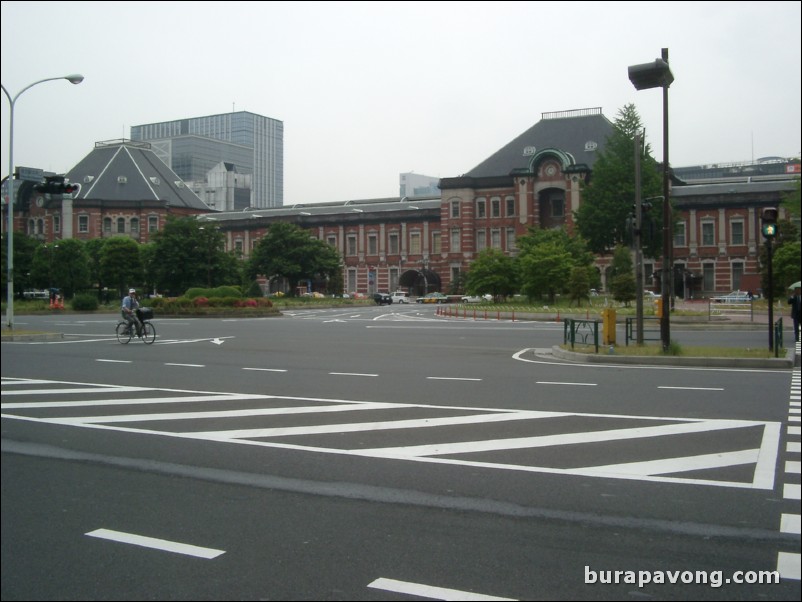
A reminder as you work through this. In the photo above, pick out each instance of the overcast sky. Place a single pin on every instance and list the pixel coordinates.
(369, 90)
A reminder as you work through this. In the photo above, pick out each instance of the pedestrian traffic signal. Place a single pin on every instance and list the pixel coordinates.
(769, 219)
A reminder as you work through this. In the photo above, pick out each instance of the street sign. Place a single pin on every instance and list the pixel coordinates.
(30, 174)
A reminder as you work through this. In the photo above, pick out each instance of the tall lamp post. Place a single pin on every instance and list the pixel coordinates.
(658, 74)
(769, 230)
(73, 79)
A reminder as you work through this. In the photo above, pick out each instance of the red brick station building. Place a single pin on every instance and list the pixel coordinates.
(422, 244)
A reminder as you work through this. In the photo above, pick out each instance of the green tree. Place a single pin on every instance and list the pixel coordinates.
(147, 252)
(70, 267)
(93, 249)
(787, 235)
(288, 251)
(544, 271)
(492, 272)
(622, 276)
(189, 253)
(579, 285)
(607, 200)
(546, 259)
(121, 264)
(24, 248)
(792, 201)
(41, 265)
(786, 269)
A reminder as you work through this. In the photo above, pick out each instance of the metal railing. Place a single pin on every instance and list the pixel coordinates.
(582, 331)
(731, 309)
(648, 334)
(778, 337)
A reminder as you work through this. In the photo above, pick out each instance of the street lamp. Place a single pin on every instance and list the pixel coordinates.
(658, 75)
(769, 230)
(73, 79)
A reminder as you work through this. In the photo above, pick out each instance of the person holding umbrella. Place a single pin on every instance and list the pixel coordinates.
(795, 303)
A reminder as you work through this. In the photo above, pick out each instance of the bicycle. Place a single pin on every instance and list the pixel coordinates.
(125, 330)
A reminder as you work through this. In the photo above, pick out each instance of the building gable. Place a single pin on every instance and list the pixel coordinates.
(125, 171)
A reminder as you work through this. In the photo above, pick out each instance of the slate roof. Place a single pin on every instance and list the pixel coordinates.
(123, 170)
(360, 210)
(581, 134)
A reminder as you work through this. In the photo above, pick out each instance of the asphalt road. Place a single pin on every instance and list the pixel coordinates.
(383, 453)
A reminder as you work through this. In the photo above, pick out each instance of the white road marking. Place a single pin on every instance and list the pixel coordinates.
(791, 491)
(156, 544)
(428, 591)
(463, 447)
(763, 458)
(789, 565)
(350, 374)
(547, 382)
(693, 388)
(790, 523)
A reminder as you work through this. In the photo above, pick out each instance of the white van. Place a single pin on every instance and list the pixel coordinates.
(400, 297)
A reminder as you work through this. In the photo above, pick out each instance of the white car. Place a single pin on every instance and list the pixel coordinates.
(734, 297)
(400, 297)
(476, 298)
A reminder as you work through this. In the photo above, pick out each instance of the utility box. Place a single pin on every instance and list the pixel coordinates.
(658, 307)
(608, 326)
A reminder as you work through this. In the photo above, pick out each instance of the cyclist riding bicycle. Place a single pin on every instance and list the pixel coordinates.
(130, 305)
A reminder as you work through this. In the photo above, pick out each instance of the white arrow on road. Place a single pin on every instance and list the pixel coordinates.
(217, 341)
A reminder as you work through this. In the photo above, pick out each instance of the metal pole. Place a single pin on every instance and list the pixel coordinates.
(73, 79)
(668, 272)
(638, 245)
(10, 209)
(771, 297)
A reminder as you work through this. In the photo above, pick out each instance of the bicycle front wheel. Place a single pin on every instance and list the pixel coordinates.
(148, 333)
(123, 333)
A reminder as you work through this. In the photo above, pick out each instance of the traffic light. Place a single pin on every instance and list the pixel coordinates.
(769, 218)
(57, 185)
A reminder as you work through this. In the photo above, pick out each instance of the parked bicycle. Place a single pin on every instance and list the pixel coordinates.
(125, 330)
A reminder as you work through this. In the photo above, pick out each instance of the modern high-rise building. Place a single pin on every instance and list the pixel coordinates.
(414, 184)
(250, 144)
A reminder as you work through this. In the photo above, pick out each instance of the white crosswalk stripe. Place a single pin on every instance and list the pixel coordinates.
(455, 435)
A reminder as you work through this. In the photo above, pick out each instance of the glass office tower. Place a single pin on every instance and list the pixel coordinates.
(254, 144)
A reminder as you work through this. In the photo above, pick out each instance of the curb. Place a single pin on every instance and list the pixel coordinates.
(39, 336)
(781, 363)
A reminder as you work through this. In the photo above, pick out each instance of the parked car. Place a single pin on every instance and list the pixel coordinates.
(382, 298)
(400, 297)
(651, 295)
(734, 297)
(433, 298)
